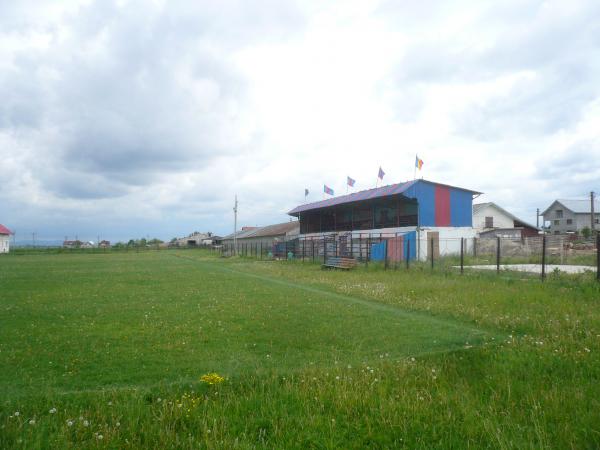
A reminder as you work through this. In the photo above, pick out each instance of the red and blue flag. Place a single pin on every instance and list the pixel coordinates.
(351, 182)
(327, 189)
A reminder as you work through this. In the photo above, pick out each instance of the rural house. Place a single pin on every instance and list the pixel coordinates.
(490, 220)
(571, 216)
(4, 239)
(416, 213)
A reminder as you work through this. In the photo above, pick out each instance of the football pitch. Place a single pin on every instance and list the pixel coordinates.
(108, 350)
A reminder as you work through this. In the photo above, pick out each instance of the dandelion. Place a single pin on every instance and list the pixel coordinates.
(118, 424)
(86, 423)
(212, 378)
(69, 423)
(53, 411)
(17, 413)
(32, 422)
(99, 437)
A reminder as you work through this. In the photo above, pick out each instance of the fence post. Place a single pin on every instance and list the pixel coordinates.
(303, 248)
(474, 247)
(385, 261)
(396, 255)
(324, 250)
(432, 247)
(498, 254)
(368, 250)
(543, 257)
(462, 254)
(598, 257)
(360, 246)
(407, 254)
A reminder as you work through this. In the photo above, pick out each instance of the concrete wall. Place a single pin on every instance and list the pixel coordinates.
(4, 243)
(449, 240)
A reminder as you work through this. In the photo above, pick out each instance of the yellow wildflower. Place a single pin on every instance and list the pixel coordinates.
(212, 378)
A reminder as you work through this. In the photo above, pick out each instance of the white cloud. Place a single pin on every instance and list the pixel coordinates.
(131, 118)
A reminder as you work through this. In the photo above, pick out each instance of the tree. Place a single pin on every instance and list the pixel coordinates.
(586, 232)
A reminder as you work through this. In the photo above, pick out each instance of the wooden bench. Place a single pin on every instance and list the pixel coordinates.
(339, 263)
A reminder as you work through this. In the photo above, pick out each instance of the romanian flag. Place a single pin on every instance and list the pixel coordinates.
(327, 189)
(418, 163)
(351, 182)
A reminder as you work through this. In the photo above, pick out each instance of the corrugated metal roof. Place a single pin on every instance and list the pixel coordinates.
(4, 230)
(277, 229)
(240, 234)
(384, 191)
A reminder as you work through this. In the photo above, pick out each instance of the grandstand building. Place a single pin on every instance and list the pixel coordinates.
(432, 216)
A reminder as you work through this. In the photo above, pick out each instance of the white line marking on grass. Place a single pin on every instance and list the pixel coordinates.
(453, 323)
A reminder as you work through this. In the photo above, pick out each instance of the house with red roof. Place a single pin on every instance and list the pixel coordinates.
(4, 239)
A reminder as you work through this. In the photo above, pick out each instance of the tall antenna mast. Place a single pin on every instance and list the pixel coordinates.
(235, 209)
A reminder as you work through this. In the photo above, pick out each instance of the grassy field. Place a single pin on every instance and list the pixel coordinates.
(107, 350)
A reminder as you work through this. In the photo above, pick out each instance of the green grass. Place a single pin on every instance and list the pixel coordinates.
(116, 342)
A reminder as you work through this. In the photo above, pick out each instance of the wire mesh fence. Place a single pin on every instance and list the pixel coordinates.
(538, 255)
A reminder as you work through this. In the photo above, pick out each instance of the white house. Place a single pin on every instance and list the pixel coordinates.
(490, 220)
(4, 239)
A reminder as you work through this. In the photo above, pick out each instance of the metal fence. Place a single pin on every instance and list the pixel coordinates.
(392, 251)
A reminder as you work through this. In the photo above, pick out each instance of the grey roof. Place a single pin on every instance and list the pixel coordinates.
(576, 206)
(277, 229)
(240, 234)
(479, 206)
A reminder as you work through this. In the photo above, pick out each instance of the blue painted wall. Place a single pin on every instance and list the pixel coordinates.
(412, 237)
(461, 208)
(461, 205)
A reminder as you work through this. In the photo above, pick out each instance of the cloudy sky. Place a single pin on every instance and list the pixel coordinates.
(134, 118)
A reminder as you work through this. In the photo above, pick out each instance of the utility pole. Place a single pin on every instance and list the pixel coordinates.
(592, 210)
(537, 218)
(235, 209)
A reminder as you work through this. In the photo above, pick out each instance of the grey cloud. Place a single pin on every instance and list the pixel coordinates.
(113, 89)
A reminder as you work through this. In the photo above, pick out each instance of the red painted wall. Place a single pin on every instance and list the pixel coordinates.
(442, 206)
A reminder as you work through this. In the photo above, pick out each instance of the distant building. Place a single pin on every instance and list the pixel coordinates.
(267, 235)
(212, 240)
(571, 216)
(4, 239)
(104, 244)
(193, 240)
(72, 244)
(490, 220)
